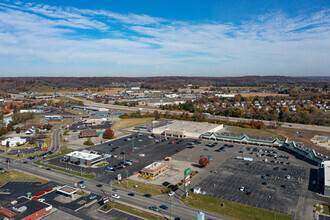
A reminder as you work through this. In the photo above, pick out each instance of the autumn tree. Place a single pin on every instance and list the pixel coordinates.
(10, 127)
(18, 130)
(203, 162)
(108, 134)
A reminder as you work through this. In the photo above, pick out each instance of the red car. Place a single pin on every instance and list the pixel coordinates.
(177, 150)
(248, 193)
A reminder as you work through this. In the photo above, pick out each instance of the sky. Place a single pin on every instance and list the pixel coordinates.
(164, 38)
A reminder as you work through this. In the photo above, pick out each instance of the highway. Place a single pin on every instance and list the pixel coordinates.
(223, 118)
(178, 209)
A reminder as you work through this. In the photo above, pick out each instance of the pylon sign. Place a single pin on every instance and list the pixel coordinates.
(44, 146)
(186, 182)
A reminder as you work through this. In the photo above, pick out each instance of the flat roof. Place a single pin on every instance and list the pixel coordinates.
(31, 206)
(189, 127)
(67, 190)
(154, 166)
(83, 155)
(326, 172)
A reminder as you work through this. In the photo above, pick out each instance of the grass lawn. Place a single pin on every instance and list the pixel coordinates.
(142, 188)
(250, 131)
(63, 150)
(35, 120)
(231, 209)
(130, 122)
(15, 175)
(135, 211)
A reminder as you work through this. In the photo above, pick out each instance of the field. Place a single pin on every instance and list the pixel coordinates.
(231, 209)
(111, 91)
(261, 94)
(142, 187)
(15, 175)
(250, 131)
(302, 136)
(131, 122)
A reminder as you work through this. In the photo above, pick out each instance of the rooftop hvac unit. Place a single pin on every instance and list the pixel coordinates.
(20, 209)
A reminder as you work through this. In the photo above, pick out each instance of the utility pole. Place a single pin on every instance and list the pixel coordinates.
(110, 190)
(127, 178)
(132, 143)
(171, 207)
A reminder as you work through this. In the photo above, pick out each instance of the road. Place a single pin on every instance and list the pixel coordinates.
(177, 207)
(223, 118)
(55, 139)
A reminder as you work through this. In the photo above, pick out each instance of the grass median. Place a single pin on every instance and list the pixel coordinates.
(15, 175)
(142, 188)
(231, 209)
(130, 122)
(135, 211)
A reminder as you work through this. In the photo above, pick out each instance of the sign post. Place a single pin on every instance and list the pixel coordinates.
(186, 182)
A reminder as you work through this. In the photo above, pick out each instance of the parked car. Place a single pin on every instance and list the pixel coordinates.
(171, 193)
(92, 196)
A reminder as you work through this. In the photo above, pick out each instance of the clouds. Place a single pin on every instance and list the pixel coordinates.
(271, 43)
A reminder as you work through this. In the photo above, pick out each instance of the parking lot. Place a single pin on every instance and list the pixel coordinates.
(82, 126)
(59, 200)
(113, 214)
(278, 184)
(143, 151)
(17, 189)
(274, 192)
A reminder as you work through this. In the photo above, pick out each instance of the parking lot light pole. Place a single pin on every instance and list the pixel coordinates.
(127, 179)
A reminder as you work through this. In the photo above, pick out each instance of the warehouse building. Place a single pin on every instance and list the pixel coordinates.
(84, 158)
(176, 128)
(326, 168)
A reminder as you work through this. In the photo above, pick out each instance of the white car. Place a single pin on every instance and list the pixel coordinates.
(241, 189)
(141, 155)
(140, 140)
(41, 200)
(171, 193)
(116, 196)
(288, 177)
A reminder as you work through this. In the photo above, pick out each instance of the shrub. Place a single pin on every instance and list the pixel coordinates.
(89, 142)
